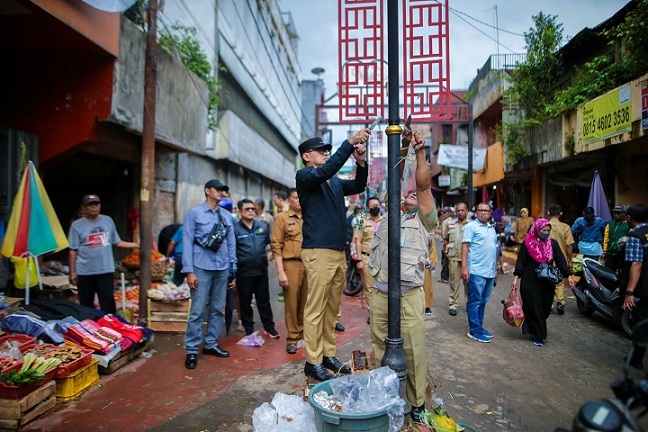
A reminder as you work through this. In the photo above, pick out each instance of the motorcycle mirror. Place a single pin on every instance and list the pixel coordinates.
(640, 334)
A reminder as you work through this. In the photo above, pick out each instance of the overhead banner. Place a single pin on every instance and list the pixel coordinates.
(457, 157)
(607, 116)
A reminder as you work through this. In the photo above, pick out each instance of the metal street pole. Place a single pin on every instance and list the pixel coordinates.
(148, 160)
(394, 356)
(471, 146)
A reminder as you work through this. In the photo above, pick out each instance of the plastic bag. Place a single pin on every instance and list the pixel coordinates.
(253, 340)
(20, 277)
(286, 413)
(513, 313)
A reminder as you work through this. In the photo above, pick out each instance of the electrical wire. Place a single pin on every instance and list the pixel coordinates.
(484, 23)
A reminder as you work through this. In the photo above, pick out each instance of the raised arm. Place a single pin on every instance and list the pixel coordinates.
(423, 178)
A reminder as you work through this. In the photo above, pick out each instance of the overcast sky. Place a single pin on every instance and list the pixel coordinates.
(316, 23)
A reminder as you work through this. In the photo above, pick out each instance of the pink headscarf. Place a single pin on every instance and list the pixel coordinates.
(541, 250)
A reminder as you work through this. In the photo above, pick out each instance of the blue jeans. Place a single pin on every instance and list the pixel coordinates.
(212, 287)
(479, 291)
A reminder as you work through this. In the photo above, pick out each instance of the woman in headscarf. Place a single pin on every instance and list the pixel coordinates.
(522, 226)
(537, 295)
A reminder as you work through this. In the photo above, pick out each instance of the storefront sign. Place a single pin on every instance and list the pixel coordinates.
(644, 105)
(607, 116)
(457, 157)
(444, 180)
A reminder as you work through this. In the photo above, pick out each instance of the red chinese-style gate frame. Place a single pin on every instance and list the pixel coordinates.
(426, 63)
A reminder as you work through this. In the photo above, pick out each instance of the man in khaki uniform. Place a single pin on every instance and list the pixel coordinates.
(417, 222)
(451, 233)
(363, 235)
(286, 249)
(561, 232)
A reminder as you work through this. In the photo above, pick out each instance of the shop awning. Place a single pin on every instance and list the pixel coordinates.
(493, 169)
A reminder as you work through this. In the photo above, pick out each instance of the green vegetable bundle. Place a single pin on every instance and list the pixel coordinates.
(34, 369)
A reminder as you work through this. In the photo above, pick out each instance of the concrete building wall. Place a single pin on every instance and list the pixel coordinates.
(181, 113)
(312, 92)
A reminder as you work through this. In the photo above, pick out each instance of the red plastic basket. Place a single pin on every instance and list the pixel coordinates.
(24, 342)
(63, 371)
(18, 392)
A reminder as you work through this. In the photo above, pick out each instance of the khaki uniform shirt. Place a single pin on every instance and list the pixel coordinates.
(451, 231)
(366, 233)
(562, 234)
(287, 235)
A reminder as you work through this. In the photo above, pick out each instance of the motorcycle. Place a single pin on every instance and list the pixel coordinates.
(598, 291)
(353, 285)
(616, 414)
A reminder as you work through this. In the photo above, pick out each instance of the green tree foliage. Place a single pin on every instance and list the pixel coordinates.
(532, 80)
(183, 41)
(632, 32)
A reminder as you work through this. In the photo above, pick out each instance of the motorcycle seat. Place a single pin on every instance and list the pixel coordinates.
(602, 272)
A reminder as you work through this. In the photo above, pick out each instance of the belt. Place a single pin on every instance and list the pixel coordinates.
(292, 259)
(366, 253)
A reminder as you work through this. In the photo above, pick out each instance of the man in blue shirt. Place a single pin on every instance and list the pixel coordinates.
(207, 272)
(589, 229)
(479, 253)
(321, 195)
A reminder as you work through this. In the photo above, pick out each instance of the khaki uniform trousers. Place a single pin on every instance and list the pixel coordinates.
(429, 289)
(367, 280)
(413, 333)
(559, 295)
(326, 274)
(455, 281)
(295, 299)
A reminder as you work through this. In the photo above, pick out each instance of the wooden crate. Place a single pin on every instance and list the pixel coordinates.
(168, 317)
(123, 358)
(17, 413)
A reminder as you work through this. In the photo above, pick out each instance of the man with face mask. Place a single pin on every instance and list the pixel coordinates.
(590, 230)
(363, 236)
(418, 220)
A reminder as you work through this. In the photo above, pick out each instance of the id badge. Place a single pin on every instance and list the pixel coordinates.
(402, 240)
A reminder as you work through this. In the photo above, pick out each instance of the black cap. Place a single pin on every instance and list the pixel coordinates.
(88, 199)
(216, 184)
(619, 209)
(313, 144)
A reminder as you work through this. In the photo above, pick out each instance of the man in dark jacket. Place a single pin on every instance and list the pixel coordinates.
(252, 237)
(321, 195)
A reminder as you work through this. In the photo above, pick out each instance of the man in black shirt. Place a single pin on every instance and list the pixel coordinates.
(252, 237)
(321, 195)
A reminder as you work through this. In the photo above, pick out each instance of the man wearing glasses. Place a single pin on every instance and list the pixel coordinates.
(479, 252)
(321, 195)
(252, 237)
(207, 272)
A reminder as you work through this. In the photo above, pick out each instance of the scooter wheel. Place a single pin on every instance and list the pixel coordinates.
(627, 322)
(583, 308)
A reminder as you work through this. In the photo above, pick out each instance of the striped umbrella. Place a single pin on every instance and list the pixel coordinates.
(34, 228)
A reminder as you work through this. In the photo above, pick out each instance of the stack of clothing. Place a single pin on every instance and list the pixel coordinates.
(91, 335)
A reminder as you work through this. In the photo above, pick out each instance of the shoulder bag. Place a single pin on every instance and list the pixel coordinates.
(549, 273)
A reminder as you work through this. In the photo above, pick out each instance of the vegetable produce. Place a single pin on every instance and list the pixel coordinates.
(34, 369)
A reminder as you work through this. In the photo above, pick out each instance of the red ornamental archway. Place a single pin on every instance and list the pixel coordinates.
(425, 55)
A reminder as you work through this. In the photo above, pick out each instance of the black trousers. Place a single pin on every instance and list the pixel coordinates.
(257, 286)
(178, 276)
(639, 314)
(103, 285)
(445, 268)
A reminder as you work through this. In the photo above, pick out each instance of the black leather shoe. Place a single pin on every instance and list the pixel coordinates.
(191, 361)
(560, 308)
(317, 372)
(216, 351)
(336, 365)
(339, 327)
(416, 413)
(453, 312)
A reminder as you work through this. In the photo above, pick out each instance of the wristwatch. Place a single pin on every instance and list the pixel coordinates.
(629, 292)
